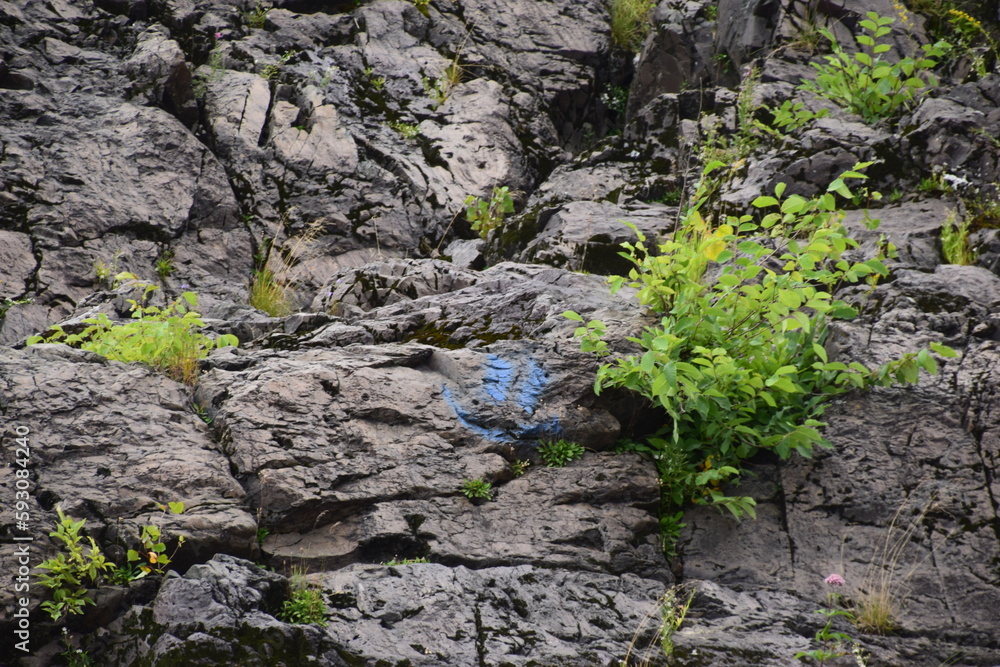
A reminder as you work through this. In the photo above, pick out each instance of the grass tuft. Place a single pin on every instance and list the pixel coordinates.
(630, 23)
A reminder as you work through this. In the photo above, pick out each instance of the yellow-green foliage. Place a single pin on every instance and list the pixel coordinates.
(955, 241)
(166, 338)
(737, 362)
(865, 83)
(305, 604)
(630, 22)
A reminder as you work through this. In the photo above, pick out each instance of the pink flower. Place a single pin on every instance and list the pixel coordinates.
(218, 35)
(834, 580)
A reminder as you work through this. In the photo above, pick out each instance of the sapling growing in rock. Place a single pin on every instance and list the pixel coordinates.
(735, 357)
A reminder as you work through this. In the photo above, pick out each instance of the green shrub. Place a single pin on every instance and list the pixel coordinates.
(557, 453)
(165, 338)
(73, 570)
(866, 84)
(477, 488)
(737, 363)
(630, 23)
(305, 604)
(486, 216)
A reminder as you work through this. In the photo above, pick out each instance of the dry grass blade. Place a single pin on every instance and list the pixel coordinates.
(273, 284)
(673, 607)
(879, 605)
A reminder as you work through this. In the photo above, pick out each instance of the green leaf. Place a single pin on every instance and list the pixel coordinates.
(176, 507)
(943, 350)
(762, 202)
(570, 315)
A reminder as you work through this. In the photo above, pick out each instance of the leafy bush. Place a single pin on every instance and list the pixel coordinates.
(737, 362)
(486, 216)
(165, 338)
(868, 85)
(70, 572)
(305, 604)
(557, 453)
(477, 488)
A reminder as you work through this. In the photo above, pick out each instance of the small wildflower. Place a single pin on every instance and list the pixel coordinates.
(834, 580)
(218, 35)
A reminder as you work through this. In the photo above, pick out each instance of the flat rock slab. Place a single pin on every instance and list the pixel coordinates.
(359, 454)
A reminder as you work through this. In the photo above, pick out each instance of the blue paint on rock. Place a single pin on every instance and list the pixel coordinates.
(521, 381)
(532, 386)
(498, 378)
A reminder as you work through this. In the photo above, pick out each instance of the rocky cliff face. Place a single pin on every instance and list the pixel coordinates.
(190, 144)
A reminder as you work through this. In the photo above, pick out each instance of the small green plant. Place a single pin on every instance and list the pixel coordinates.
(615, 98)
(833, 645)
(422, 5)
(935, 184)
(790, 116)
(477, 488)
(672, 609)
(103, 273)
(955, 241)
(519, 467)
(895, 196)
(378, 83)
(73, 656)
(262, 534)
(408, 130)
(272, 70)
(121, 575)
(630, 23)
(269, 294)
(202, 413)
(557, 453)
(165, 338)
(865, 83)
(406, 561)
(486, 216)
(165, 264)
(257, 17)
(305, 604)
(73, 570)
(152, 552)
(879, 602)
(439, 88)
(6, 304)
(672, 197)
